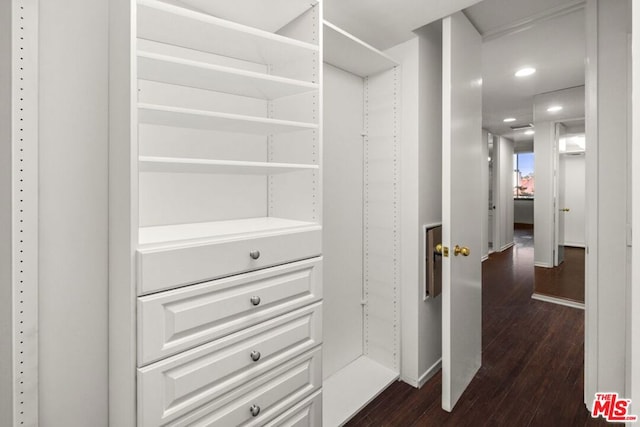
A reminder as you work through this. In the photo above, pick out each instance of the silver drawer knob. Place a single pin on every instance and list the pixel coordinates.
(254, 254)
(255, 355)
(255, 300)
(255, 410)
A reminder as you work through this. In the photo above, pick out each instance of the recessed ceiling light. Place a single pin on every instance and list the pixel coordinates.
(509, 119)
(524, 72)
(554, 108)
(529, 132)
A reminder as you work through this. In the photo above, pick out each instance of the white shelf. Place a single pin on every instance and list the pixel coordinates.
(350, 389)
(218, 230)
(186, 165)
(351, 54)
(183, 72)
(178, 26)
(210, 120)
(267, 15)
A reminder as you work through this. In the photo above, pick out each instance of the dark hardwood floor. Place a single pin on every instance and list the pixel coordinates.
(532, 362)
(565, 281)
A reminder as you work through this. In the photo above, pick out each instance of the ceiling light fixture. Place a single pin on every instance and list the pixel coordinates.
(529, 132)
(554, 108)
(524, 72)
(509, 119)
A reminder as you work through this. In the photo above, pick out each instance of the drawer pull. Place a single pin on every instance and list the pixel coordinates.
(255, 355)
(255, 300)
(255, 410)
(254, 254)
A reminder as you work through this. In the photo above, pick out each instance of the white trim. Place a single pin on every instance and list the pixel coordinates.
(507, 246)
(484, 258)
(633, 377)
(574, 245)
(542, 264)
(429, 373)
(24, 205)
(591, 214)
(514, 27)
(559, 301)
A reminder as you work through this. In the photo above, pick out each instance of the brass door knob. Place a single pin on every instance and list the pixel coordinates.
(441, 250)
(461, 250)
(438, 249)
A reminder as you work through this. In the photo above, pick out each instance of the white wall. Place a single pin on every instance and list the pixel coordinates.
(606, 160)
(6, 348)
(504, 193)
(523, 211)
(421, 196)
(73, 213)
(543, 203)
(573, 169)
(342, 219)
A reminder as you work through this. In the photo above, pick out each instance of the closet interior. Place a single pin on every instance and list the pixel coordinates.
(361, 346)
(216, 273)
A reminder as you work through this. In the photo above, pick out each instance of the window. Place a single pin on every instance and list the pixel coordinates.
(524, 183)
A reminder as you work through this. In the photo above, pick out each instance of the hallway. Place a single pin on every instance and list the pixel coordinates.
(532, 368)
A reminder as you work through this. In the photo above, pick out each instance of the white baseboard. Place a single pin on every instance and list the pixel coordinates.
(542, 264)
(430, 373)
(484, 257)
(575, 245)
(507, 246)
(560, 301)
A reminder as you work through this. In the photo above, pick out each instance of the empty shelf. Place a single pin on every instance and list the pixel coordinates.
(348, 53)
(178, 26)
(183, 72)
(268, 15)
(350, 389)
(210, 120)
(185, 165)
(207, 231)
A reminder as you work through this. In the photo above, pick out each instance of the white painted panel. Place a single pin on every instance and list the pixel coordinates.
(173, 321)
(461, 153)
(352, 388)
(574, 180)
(381, 219)
(164, 266)
(307, 413)
(505, 193)
(342, 238)
(172, 386)
(634, 336)
(543, 203)
(6, 302)
(73, 150)
(350, 54)
(227, 403)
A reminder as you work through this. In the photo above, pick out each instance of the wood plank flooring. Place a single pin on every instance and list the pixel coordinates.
(565, 281)
(532, 367)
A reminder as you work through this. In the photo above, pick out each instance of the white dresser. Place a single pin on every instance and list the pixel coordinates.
(215, 196)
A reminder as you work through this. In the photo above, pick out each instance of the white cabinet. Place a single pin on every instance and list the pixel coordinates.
(216, 214)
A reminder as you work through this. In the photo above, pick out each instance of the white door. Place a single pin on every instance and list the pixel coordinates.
(559, 198)
(462, 202)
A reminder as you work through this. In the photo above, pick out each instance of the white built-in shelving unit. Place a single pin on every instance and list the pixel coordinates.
(361, 224)
(216, 214)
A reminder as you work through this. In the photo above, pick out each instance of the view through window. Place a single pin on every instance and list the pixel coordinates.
(524, 183)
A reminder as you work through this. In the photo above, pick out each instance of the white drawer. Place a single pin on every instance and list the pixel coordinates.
(180, 395)
(168, 266)
(307, 413)
(176, 320)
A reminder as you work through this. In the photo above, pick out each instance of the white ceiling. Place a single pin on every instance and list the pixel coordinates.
(546, 34)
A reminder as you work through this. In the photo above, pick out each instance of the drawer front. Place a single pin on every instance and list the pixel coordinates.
(176, 320)
(169, 267)
(176, 400)
(307, 413)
